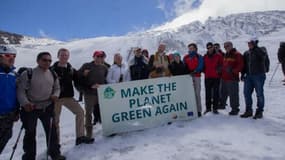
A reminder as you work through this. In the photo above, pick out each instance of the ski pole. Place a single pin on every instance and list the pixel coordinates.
(274, 73)
(17, 140)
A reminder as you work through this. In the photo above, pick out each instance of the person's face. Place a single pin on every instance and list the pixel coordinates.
(63, 57)
(191, 48)
(210, 49)
(250, 45)
(99, 59)
(8, 59)
(138, 53)
(177, 58)
(228, 47)
(118, 59)
(44, 62)
(161, 48)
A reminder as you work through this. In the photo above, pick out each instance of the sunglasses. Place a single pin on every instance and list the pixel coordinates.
(9, 55)
(209, 47)
(46, 60)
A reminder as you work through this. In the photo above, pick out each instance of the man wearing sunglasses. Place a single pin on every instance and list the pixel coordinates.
(8, 103)
(37, 97)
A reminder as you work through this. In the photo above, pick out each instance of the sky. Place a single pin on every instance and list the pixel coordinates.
(73, 19)
(69, 19)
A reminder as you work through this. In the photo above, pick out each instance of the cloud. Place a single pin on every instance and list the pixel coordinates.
(43, 34)
(187, 11)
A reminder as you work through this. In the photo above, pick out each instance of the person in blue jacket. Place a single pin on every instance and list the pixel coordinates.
(8, 100)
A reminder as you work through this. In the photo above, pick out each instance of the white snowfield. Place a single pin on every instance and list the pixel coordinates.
(212, 137)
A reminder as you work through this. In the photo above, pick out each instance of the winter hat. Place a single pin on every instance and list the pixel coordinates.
(253, 40)
(98, 54)
(7, 50)
(176, 54)
(209, 44)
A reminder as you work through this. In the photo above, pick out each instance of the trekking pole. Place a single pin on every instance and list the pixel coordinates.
(49, 135)
(17, 140)
(274, 73)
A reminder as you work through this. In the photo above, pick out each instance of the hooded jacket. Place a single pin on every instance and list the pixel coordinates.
(194, 63)
(8, 100)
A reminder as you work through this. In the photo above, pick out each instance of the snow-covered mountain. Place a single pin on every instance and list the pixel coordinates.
(235, 27)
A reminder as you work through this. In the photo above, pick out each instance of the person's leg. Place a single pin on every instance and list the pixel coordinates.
(47, 119)
(258, 86)
(283, 69)
(197, 88)
(208, 92)
(247, 92)
(72, 105)
(224, 95)
(89, 107)
(29, 120)
(57, 112)
(233, 90)
(216, 84)
(6, 126)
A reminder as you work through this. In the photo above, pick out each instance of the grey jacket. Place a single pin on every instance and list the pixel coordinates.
(39, 89)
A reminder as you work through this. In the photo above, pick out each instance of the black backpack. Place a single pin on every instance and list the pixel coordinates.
(266, 59)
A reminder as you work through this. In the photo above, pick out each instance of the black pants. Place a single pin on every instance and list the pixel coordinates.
(212, 93)
(29, 120)
(283, 68)
(6, 126)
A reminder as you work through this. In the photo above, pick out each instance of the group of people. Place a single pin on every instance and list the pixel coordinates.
(40, 92)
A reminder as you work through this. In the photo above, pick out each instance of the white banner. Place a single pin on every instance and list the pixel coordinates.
(136, 105)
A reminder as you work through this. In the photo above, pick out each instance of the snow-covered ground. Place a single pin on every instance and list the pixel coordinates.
(212, 137)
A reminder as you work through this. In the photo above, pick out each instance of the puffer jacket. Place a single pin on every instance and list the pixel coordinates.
(213, 65)
(115, 72)
(8, 94)
(194, 63)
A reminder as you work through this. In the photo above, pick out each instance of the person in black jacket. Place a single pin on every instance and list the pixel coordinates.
(281, 57)
(67, 75)
(256, 65)
(177, 67)
(138, 66)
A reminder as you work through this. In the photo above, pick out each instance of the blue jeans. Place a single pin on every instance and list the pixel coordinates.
(254, 82)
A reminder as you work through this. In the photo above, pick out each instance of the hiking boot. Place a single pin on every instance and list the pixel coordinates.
(84, 139)
(58, 157)
(246, 114)
(258, 115)
(234, 112)
(199, 114)
(207, 110)
(215, 111)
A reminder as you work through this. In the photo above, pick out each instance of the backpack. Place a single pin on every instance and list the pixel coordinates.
(266, 59)
(30, 73)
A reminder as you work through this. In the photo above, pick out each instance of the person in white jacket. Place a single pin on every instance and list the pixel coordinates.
(118, 72)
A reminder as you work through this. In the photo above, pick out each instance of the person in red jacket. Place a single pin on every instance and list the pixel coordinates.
(232, 66)
(194, 64)
(212, 69)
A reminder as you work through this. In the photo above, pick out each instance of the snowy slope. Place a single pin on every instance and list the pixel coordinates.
(217, 137)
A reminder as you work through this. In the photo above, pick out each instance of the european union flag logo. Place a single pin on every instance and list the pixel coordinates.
(190, 114)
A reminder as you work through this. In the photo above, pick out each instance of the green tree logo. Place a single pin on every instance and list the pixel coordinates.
(109, 93)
